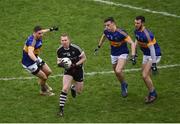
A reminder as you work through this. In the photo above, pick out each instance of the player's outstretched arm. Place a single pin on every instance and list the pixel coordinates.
(101, 41)
(54, 28)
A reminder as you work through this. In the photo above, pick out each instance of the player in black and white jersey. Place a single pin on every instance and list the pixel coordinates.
(75, 72)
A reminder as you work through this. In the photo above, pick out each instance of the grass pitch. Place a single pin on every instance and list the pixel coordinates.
(101, 100)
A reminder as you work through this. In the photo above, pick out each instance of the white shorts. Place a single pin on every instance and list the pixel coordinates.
(32, 68)
(148, 58)
(114, 59)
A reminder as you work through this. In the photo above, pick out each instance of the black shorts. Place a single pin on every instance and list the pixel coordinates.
(76, 73)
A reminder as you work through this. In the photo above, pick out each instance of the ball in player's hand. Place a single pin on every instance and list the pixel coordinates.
(67, 62)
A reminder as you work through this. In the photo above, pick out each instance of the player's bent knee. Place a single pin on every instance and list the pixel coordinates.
(43, 77)
(118, 71)
(49, 72)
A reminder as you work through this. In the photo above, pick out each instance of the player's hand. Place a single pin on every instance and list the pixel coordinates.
(65, 65)
(96, 50)
(133, 59)
(54, 28)
(39, 64)
(154, 68)
(61, 64)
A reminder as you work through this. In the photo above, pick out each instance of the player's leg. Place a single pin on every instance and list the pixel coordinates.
(146, 75)
(46, 69)
(79, 87)
(78, 77)
(42, 81)
(118, 69)
(67, 79)
(146, 69)
(73, 90)
(35, 70)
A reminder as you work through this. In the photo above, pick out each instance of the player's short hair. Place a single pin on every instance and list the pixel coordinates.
(65, 35)
(109, 19)
(37, 28)
(142, 18)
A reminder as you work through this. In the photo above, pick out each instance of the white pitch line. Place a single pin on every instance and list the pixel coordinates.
(138, 8)
(88, 73)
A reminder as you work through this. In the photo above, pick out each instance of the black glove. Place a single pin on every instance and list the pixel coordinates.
(133, 59)
(136, 55)
(154, 67)
(61, 65)
(39, 64)
(54, 28)
(96, 50)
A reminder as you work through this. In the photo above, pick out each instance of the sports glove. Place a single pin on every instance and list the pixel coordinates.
(61, 64)
(133, 59)
(154, 67)
(96, 50)
(39, 64)
(54, 28)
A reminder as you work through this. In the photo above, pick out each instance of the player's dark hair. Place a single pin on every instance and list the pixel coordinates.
(142, 18)
(37, 28)
(109, 19)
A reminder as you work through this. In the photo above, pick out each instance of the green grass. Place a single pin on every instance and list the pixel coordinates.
(100, 101)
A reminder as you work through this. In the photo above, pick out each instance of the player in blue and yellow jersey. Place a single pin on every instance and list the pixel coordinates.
(151, 55)
(119, 51)
(33, 63)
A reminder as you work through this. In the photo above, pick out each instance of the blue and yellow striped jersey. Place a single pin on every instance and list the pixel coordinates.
(146, 38)
(31, 42)
(117, 41)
